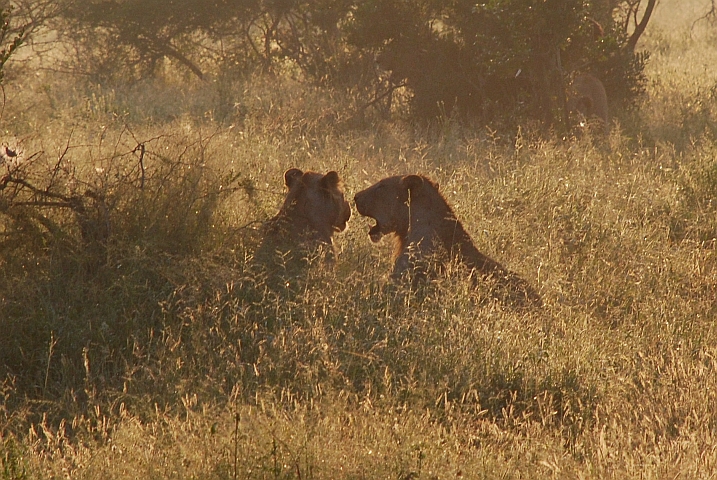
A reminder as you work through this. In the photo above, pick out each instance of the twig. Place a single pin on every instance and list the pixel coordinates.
(383, 95)
(50, 351)
(709, 16)
(34, 189)
(43, 204)
(59, 160)
(141, 148)
(236, 443)
(4, 99)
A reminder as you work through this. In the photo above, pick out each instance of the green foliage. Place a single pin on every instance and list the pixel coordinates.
(141, 34)
(497, 59)
(201, 36)
(494, 61)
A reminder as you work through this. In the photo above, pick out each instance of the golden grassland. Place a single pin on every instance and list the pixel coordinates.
(181, 358)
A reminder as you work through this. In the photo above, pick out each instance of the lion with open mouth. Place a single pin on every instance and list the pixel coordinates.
(414, 211)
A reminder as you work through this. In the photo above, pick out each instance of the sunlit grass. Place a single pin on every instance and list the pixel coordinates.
(181, 356)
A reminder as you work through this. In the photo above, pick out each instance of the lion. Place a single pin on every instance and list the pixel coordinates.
(412, 208)
(588, 98)
(313, 210)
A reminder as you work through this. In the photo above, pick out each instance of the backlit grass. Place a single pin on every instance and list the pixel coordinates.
(180, 356)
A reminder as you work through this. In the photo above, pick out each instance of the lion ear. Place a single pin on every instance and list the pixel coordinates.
(412, 182)
(291, 176)
(330, 180)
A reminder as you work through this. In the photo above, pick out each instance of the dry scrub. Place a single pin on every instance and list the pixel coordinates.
(173, 356)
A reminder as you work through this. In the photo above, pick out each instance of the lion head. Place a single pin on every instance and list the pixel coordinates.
(412, 208)
(387, 202)
(314, 208)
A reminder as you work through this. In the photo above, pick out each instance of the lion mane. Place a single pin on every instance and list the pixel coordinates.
(414, 211)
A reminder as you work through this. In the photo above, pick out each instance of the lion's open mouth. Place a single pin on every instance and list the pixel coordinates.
(375, 233)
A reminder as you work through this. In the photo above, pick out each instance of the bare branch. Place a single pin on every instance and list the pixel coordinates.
(710, 16)
(640, 27)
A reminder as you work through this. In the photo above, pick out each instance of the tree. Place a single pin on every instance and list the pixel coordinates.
(139, 34)
(501, 58)
(633, 8)
(196, 33)
(11, 37)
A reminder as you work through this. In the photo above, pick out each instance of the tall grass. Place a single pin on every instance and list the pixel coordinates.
(177, 355)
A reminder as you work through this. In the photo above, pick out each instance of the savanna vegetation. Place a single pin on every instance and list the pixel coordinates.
(144, 145)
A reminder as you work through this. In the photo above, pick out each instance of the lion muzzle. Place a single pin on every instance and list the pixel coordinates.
(364, 209)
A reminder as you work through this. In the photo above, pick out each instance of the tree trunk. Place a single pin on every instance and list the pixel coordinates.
(640, 27)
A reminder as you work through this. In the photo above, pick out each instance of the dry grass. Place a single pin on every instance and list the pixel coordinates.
(182, 358)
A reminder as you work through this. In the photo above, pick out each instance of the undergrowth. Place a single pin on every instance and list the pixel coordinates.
(141, 336)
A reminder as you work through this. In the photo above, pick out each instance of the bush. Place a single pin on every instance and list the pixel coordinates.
(497, 60)
(89, 232)
(11, 37)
